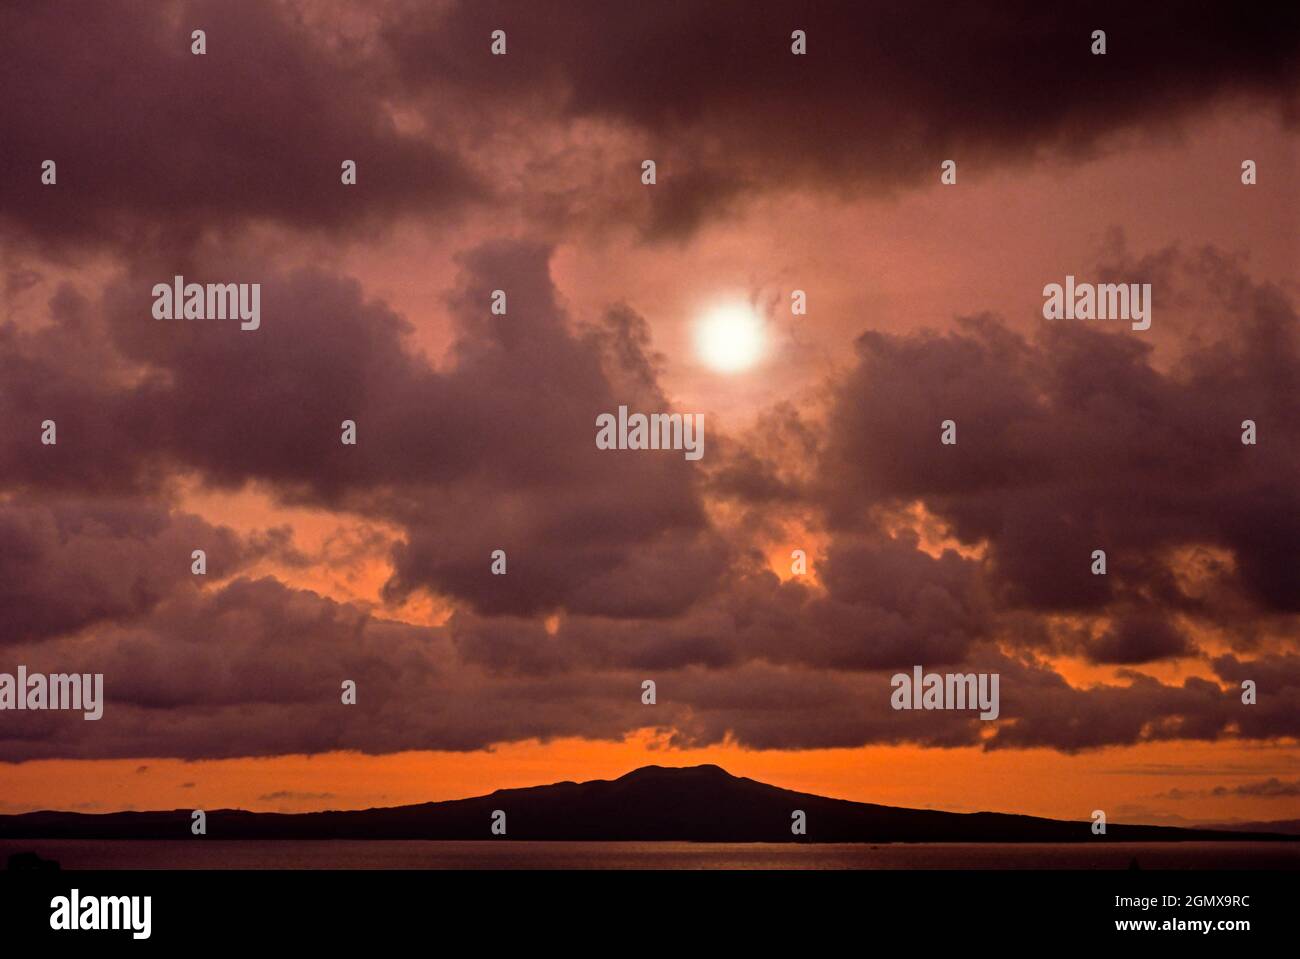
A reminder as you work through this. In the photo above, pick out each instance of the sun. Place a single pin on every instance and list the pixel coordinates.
(730, 337)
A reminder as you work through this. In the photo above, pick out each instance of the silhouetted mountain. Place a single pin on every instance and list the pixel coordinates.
(700, 803)
(1290, 827)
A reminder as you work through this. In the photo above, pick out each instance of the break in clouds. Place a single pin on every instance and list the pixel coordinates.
(623, 564)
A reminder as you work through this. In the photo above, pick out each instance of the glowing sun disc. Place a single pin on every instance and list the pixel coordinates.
(730, 337)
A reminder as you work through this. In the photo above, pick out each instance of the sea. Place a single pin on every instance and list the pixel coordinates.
(206, 853)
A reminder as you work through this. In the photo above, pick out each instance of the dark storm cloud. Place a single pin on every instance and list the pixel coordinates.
(1077, 433)
(888, 605)
(1039, 709)
(1067, 441)
(1142, 636)
(1277, 690)
(613, 533)
(1048, 712)
(68, 372)
(497, 451)
(822, 709)
(71, 564)
(255, 669)
(885, 92)
(1076, 441)
(155, 143)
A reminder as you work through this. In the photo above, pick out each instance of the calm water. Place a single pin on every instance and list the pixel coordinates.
(416, 854)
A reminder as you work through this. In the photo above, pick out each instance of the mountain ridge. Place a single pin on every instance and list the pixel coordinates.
(670, 803)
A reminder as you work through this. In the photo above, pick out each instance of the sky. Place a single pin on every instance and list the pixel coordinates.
(775, 172)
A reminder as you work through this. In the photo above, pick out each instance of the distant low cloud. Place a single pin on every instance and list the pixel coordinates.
(1271, 788)
(291, 794)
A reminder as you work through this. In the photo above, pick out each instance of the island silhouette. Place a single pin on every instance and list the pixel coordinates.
(653, 803)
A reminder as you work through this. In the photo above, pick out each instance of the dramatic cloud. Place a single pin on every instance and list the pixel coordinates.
(475, 429)
(885, 93)
(72, 564)
(258, 127)
(177, 144)
(1075, 442)
(496, 452)
(1068, 442)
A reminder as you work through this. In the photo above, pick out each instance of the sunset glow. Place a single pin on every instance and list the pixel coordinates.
(377, 428)
(730, 338)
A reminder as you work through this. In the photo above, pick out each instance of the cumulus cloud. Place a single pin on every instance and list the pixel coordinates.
(1066, 442)
(254, 130)
(883, 95)
(622, 566)
(1077, 441)
(257, 128)
(71, 564)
